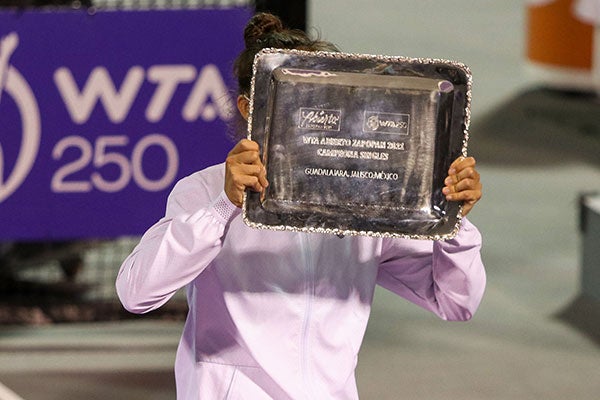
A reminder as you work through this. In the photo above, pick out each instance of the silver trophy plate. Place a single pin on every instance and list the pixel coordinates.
(357, 144)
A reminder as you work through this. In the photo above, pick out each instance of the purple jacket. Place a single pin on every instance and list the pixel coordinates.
(281, 315)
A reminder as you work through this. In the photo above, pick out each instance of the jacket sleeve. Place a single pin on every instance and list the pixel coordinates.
(445, 277)
(175, 250)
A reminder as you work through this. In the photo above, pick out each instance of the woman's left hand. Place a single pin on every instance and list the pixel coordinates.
(463, 183)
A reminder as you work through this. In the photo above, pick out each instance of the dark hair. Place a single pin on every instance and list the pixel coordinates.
(265, 31)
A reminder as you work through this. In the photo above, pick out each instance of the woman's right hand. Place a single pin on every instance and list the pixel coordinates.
(243, 169)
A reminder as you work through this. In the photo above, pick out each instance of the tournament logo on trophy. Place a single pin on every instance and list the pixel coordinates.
(14, 85)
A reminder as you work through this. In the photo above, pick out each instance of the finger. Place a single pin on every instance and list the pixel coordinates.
(235, 170)
(245, 157)
(462, 171)
(471, 196)
(463, 191)
(465, 198)
(243, 182)
(253, 183)
(463, 185)
(469, 175)
(452, 186)
(257, 170)
(243, 146)
(461, 163)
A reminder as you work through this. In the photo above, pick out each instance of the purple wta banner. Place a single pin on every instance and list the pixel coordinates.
(101, 114)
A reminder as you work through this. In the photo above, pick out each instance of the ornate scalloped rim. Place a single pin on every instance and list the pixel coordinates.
(381, 58)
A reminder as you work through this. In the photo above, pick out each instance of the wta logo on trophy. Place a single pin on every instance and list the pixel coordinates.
(386, 122)
(13, 84)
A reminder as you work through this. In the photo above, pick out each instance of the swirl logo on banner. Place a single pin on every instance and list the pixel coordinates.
(14, 85)
(99, 119)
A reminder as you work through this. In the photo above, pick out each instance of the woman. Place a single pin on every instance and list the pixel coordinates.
(281, 315)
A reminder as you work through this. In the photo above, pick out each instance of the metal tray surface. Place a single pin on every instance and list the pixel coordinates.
(357, 144)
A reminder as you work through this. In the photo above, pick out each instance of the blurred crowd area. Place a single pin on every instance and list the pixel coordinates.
(60, 281)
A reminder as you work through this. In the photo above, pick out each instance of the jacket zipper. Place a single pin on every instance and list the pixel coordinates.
(310, 289)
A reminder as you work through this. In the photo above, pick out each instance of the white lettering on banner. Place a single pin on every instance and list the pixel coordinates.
(168, 77)
(58, 183)
(107, 163)
(208, 99)
(209, 84)
(103, 157)
(99, 86)
(99, 156)
(172, 162)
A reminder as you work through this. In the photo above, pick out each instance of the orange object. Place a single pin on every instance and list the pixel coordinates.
(556, 37)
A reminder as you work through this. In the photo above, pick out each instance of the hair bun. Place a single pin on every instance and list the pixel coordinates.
(260, 25)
